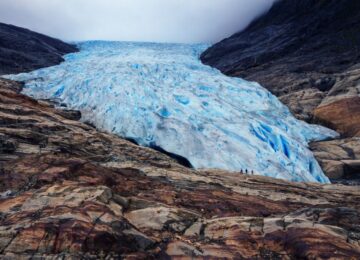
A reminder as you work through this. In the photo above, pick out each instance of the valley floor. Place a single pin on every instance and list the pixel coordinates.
(68, 190)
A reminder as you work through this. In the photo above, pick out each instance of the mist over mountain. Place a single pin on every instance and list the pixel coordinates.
(184, 21)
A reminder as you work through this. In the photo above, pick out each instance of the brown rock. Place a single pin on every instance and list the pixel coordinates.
(69, 191)
(160, 218)
(352, 168)
(342, 115)
(333, 169)
(332, 155)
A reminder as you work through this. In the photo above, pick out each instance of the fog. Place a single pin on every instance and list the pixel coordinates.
(187, 21)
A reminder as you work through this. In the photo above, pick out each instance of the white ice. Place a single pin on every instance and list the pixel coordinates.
(162, 95)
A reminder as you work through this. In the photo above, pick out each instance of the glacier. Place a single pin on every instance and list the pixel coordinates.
(161, 95)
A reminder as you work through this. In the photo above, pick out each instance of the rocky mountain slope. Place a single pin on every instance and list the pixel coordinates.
(22, 50)
(70, 191)
(307, 52)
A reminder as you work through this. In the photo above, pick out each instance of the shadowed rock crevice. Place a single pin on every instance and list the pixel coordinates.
(179, 159)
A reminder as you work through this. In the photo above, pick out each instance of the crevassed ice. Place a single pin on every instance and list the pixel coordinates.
(161, 95)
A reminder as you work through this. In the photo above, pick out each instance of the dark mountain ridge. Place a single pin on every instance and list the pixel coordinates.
(293, 29)
(22, 50)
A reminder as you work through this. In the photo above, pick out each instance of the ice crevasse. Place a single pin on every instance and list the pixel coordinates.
(162, 95)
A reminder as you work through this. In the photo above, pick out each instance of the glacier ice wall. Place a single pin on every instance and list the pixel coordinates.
(161, 95)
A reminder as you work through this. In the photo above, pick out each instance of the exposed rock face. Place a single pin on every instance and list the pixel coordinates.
(335, 156)
(67, 190)
(342, 115)
(22, 50)
(307, 52)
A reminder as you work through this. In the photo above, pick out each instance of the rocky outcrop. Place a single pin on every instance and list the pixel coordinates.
(70, 191)
(306, 52)
(342, 115)
(339, 158)
(22, 50)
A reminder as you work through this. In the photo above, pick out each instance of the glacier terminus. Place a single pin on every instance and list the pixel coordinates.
(161, 95)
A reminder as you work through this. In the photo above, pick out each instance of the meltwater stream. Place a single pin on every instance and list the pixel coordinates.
(162, 95)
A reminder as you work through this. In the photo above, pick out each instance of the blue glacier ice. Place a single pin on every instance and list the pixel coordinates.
(162, 95)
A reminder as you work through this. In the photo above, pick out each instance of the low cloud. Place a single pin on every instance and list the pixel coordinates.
(188, 21)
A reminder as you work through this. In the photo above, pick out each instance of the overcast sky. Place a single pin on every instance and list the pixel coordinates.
(187, 21)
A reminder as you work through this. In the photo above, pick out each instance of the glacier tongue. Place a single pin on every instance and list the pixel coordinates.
(161, 95)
